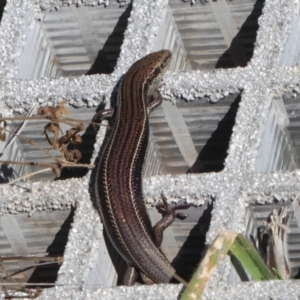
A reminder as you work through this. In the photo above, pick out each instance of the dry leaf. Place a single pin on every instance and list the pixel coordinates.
(54, 112)
(3, 124)
(61, 109)
(2, 136)
(73, 155)
(57, 170)
(54, 128)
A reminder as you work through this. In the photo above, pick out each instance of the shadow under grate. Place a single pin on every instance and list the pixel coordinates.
(257, 214)
(43, 235)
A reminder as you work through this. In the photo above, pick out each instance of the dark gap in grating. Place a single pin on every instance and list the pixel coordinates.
(48, 273)
(191, 251)
(2, 5)
(291, 104)
(212, 156)
(86, 149)
(32, 155)
(261, 214)
(102, 64)
(6, 173)
(248, 29)
(45, 235)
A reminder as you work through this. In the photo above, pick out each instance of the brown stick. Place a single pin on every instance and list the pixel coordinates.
(63, 120)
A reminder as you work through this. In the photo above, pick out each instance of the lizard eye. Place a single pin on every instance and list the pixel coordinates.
(164, 64)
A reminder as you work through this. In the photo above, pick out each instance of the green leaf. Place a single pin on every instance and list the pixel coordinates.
(248, 256)
(238, 246)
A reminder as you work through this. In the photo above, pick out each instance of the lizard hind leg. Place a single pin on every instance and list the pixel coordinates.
(130, 276)
(167, 219)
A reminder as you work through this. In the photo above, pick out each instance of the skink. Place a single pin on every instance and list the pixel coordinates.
(119, 192)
